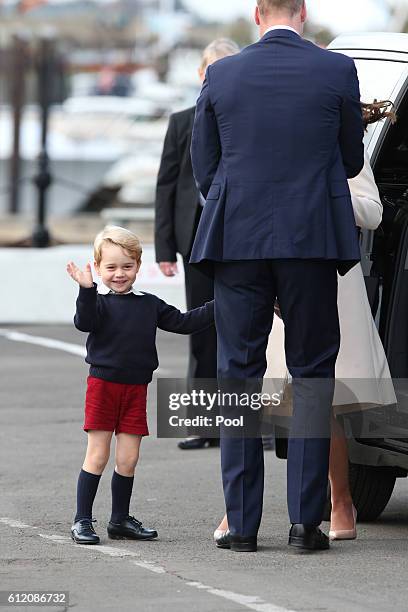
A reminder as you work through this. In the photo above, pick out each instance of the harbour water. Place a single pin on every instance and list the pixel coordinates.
(72, 181)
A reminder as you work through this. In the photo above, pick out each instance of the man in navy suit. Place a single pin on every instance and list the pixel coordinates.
(277, 132)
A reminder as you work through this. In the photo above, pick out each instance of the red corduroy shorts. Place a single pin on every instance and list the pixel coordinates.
(111, 406)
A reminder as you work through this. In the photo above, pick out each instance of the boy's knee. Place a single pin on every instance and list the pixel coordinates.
(98, 461)
(126, 465)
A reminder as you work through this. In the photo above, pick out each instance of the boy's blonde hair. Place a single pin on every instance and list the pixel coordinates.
(113, 234)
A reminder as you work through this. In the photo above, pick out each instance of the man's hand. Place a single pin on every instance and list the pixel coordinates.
(168, 268)
(83, 278)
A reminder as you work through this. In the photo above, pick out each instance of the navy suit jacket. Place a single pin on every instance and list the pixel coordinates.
(278, 130)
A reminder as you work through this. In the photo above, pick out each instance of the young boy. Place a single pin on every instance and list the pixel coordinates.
(121, 351)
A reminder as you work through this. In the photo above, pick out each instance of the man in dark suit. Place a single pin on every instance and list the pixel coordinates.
(178, 211)
(278, 129)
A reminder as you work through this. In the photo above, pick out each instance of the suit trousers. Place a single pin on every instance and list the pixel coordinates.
(202, 361)
(203, 345)
(245, 293)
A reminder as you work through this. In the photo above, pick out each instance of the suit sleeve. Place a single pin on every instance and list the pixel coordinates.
(366, 199)
(87, 315)
(165, 242)
(190, 322)
(205, 142)
(351, 128)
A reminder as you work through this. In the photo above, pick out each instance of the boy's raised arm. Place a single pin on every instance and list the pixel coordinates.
(86, 315)
(190, 322)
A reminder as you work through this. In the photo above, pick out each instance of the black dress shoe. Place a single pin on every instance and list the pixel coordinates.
(197, 443)
(237, 543)
(308, 537)
(130, 529)
(82, 532)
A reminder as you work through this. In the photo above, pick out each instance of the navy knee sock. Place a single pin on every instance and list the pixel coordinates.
(86, 491)
(121, 493)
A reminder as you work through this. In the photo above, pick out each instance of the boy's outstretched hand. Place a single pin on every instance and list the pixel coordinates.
(83, 278)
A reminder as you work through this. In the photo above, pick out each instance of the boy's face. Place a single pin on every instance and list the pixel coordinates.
(117, 269)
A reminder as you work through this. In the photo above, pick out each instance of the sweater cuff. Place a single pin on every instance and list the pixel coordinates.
(87, 294)
(210, 311)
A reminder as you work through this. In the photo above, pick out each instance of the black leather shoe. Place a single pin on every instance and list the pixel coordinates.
(130, 529)
(244, 543)
(82, 532)
(237, 543)
(308, 537)
(197, 443)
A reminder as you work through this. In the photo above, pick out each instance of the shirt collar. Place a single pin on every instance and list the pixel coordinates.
(281, 27)
(104, 290)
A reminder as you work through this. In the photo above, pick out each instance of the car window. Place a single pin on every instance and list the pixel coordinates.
(381, 80)
(378, 78)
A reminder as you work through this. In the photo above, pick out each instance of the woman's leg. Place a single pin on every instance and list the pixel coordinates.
(126, 456)
(96, 458)
(223, 526)
(342, 503)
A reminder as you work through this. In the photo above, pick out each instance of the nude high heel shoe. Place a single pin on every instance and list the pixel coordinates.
(345, 534)
(219, 533)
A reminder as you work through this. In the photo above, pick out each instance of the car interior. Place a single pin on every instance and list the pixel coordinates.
(387, 281)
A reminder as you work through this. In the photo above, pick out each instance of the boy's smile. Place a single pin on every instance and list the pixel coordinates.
(117, 269)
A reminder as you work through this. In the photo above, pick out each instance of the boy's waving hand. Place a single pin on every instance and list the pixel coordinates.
(83, 278)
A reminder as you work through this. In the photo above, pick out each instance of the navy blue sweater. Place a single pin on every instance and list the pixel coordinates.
(121, 345)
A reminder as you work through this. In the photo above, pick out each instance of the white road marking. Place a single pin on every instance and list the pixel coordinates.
(251, 602)
(13, 523)
(111, 551)
(67, 347)
(150, 566)
(59, 345)
(57, 538)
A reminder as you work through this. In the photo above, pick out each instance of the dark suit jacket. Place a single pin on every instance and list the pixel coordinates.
(177, 197)
(278, 129)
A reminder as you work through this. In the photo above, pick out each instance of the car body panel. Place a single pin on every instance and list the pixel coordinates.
(382, 65)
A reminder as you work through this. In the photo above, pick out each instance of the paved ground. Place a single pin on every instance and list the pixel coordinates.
(41, 450)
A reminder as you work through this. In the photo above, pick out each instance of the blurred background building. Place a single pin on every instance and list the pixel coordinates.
(113, 71)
